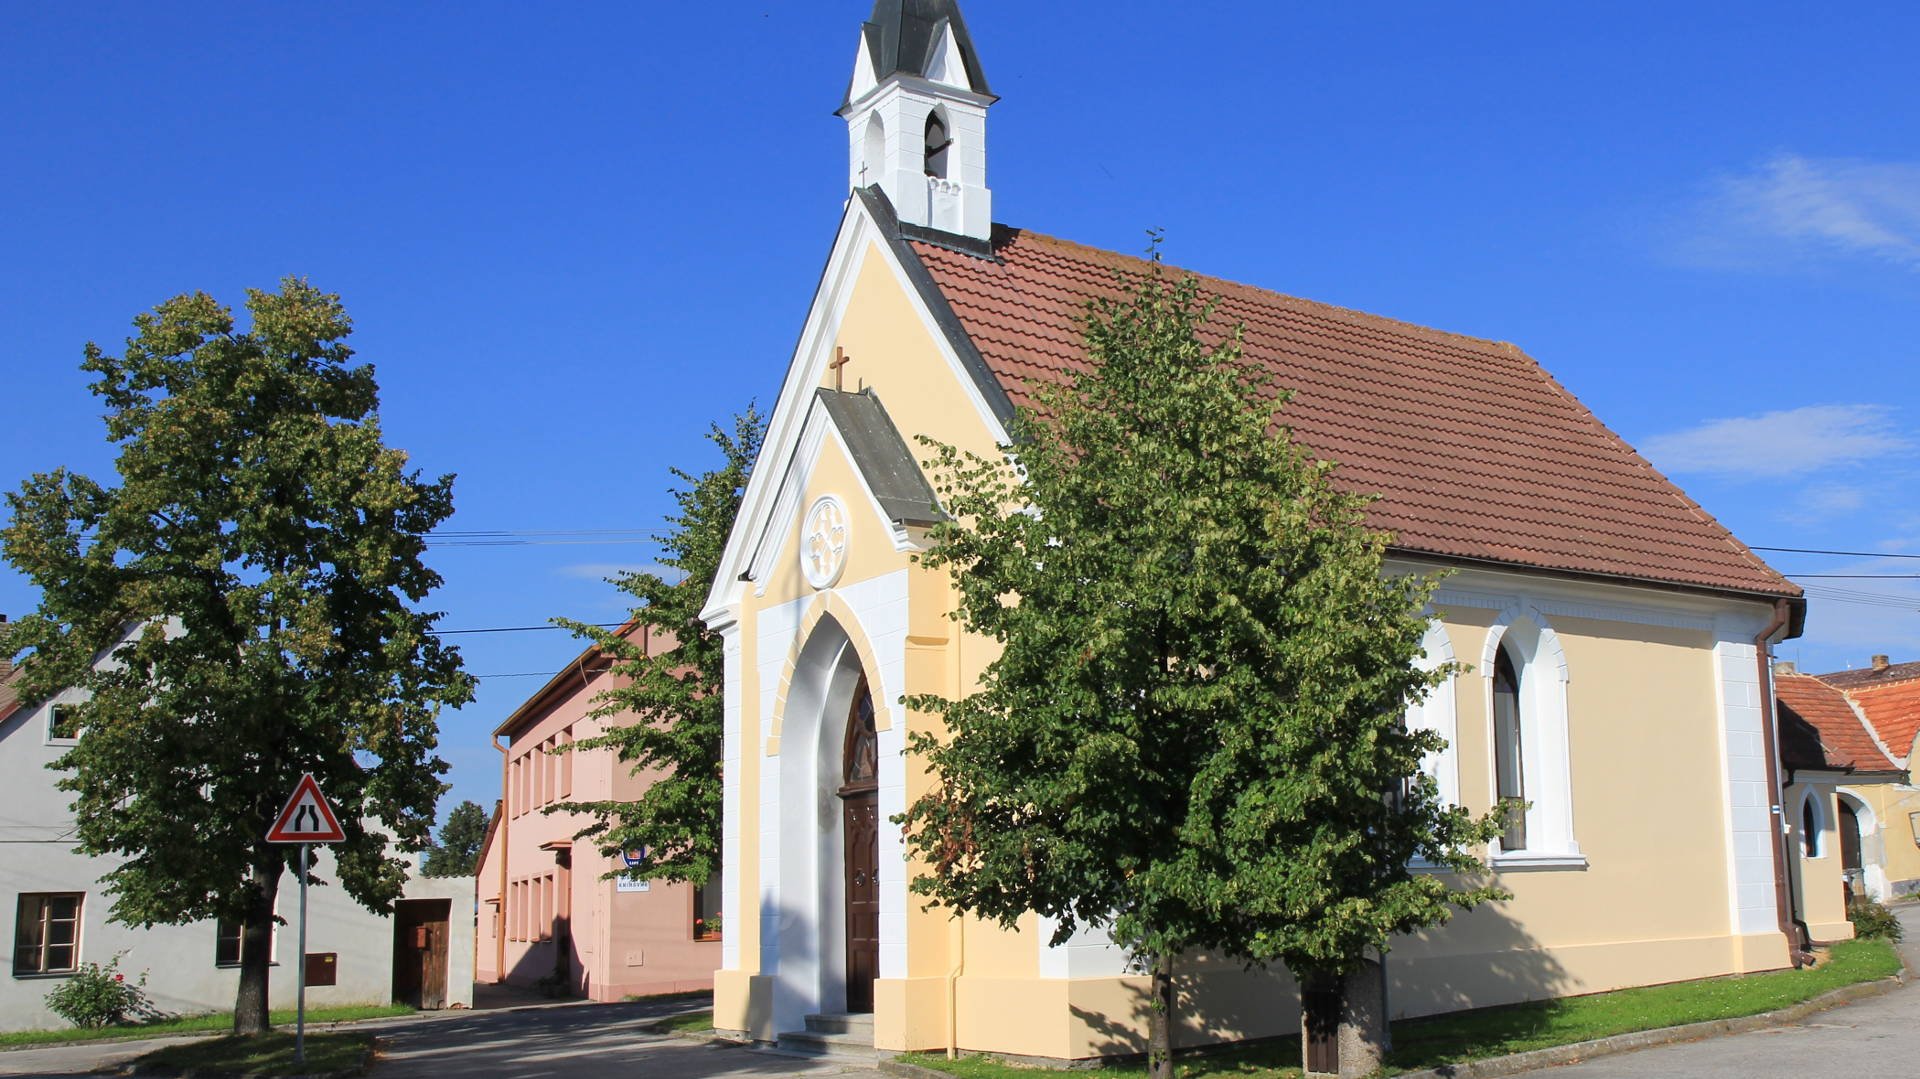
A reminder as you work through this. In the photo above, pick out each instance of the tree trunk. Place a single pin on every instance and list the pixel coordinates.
(250, 1008)
(1319, 1025)
(1160, 1021)
(1363, 1020)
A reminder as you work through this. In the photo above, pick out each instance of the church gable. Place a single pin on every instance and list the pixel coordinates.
(903, 369)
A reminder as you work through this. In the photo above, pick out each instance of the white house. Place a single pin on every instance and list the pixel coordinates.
(56, 910)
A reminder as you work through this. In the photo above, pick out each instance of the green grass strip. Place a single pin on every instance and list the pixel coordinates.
(690, 1023)
(212, 1022)
(266, 1054)
(1519, 1028)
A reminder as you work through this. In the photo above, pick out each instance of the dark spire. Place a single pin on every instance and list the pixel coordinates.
(901, 35)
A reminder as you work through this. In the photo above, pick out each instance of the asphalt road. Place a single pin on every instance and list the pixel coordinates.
(576, 1043)
(1869, 1039)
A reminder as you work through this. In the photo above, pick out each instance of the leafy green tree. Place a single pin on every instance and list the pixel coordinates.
(255, 578)
(458, 851)
(1193, 735)
(671, 712)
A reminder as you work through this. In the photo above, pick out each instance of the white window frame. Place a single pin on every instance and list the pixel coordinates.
(1438, 713)
(1821, 828)
(52, 712)
(1545, 752)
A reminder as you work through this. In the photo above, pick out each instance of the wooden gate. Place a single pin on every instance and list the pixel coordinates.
(420, 936)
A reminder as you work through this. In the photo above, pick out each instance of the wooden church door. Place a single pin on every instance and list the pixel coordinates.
(860, 810)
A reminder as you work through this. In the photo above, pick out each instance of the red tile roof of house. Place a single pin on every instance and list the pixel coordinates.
(1820, 729)
(1476, 452)
(1872, 676)
(1893, 710)
(9, 699)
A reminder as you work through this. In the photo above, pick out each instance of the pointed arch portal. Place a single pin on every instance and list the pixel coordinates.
(825, 946)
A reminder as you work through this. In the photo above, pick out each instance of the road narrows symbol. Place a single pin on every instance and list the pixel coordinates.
(307, 817)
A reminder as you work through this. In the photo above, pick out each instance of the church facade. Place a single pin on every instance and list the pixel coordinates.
(1614, 636)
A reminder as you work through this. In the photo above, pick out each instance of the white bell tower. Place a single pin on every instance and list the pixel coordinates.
(916, 115)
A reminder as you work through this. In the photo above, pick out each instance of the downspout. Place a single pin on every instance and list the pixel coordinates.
(953, 977)
(1782, 894)
(506, 822)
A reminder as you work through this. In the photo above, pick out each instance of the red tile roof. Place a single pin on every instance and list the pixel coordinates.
(9, 697)
(1476, 452)
(1872, 676)
(1893, 710)
(1820, 729)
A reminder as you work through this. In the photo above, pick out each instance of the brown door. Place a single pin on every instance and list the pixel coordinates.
(420, 935)
(860, 824)
(1851, 865)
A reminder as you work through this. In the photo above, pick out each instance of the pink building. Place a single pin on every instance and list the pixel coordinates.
(545, 907)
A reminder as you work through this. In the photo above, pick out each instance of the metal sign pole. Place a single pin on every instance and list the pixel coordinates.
(300, 995)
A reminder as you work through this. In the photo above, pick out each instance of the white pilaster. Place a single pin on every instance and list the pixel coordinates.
(1750, 806)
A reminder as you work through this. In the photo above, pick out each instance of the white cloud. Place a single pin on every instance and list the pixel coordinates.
(1793, 442)
(1835, 498)
(1795, 207)
(1821, 503)
(600, 571)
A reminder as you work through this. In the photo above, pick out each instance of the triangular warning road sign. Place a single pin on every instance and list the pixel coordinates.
(308, 818)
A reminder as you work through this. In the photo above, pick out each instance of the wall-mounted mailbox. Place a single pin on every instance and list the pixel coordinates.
(323, 968)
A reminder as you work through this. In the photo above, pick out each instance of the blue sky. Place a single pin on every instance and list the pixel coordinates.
(572, 236)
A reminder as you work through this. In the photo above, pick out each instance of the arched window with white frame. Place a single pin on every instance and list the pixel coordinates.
(1436, 713)
(1812, 825)
(1524, 670)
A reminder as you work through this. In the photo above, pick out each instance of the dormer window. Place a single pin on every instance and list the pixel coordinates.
(938, 143)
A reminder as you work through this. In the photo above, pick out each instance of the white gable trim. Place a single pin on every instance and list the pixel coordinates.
(768, 489)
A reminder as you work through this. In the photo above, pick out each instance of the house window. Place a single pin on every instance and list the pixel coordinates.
(706, 909)
(546, 907)
(1809, 826)
(1509, 766)
(566, 763)
(228, 933)
(937, 146)
(46, 933)
(63, 723)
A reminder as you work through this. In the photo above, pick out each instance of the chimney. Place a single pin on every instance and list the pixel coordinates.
(1879, 661)
(1784, 666)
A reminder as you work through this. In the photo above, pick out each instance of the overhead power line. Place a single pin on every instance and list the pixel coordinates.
(1844, 554)
(1856, 576)
(519, 629)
